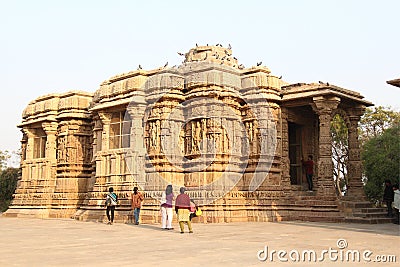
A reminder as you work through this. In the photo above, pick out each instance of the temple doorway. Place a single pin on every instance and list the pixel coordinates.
(295, 132)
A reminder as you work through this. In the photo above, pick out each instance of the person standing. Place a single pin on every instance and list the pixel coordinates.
(182, 208)
(137, 199)
(193, 209)
(111, 202)
(309, 166)
(396, 203)
(388, 196)
(166, 208)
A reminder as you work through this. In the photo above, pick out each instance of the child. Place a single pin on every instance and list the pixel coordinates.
(193, 209)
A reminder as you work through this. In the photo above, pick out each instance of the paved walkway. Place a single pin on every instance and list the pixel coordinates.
(56, 242)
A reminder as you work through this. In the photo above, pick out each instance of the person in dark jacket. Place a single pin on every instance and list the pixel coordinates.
(388, 197)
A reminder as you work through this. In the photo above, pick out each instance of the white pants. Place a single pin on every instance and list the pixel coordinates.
(166, 217)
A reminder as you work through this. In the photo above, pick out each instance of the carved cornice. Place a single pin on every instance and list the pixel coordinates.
(323, 105)
(105, 117)
(136, 110)
(29, 132)
(50, 127)
(356, 112)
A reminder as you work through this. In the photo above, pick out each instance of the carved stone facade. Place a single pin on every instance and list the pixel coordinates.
(56, 156)
(233, 136)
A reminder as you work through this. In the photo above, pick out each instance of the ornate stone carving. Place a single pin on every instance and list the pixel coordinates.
(356, 189)
(324, 107)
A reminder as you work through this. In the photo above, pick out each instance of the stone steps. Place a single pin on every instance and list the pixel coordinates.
(314, 203)
(357, 205)
(370, 214)
(372, 210)
(307, 206)
(335, 219)
(368, 220)
(363, 212)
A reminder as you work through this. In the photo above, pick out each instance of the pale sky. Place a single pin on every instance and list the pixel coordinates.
(58, 46)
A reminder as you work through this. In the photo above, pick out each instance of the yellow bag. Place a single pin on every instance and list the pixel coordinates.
(199, 212)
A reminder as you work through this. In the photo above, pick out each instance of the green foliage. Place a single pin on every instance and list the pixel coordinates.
(381, 158)
(376, 120)
(8, 184)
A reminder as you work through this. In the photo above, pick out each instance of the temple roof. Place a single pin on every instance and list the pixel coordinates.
(395, 82)
(304, 91)
(51, 107)
(206, 61)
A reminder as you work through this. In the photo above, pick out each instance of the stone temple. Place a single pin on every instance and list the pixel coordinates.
(233, 136)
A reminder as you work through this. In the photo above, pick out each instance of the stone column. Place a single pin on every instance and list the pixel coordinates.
(50, 172)
(324, 106)
(105, 136)
(354, 169)
(25, 168)
(29, 145)
(284, 143)
(97, 127)
(137, 132)
(51, 145)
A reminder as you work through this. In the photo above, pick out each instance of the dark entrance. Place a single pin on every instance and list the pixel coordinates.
(295, 153)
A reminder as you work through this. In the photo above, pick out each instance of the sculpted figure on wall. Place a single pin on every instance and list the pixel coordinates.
(196, 130)
(152, 135)
(61, 150)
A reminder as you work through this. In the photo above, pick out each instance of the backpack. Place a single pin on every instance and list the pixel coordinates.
(112, 199)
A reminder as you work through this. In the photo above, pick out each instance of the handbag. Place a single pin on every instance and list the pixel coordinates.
(199, 212)
(163, 198)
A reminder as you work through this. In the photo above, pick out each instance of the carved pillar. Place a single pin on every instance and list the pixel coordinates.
(96, 134)
(356, 189)
(25, 168)
(324, 106)
(137, 132)
(50, 171)
(24, 143)
(51, 145)
(284, 133)
(105, 136)
(29, 144)
(135, 158)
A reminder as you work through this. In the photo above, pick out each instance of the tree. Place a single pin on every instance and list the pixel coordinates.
(340, 152)
(381, 158)
(8, 184)
(376, 120)
(4, 156)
